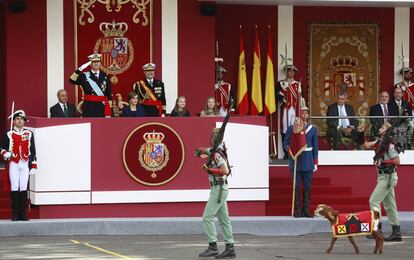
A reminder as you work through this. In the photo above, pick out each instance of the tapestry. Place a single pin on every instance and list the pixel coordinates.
(353, 224)
(120, 30)
(343, 57)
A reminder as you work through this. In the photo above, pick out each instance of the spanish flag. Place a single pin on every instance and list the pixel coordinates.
(242, 95)
(257, 106)
(270, 97)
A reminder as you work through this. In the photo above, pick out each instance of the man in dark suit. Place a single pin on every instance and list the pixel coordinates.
(96, 88)
(403, 131)
(151, 92)
(63, 108)
(342, 127)
(383, 108)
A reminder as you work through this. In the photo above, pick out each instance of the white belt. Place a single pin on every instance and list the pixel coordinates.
(308, 149)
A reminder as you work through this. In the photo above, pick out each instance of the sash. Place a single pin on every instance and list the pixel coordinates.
(148, 90)
(93, 84)
(103, 99)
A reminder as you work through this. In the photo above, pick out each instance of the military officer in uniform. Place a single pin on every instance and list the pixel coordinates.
(151, 92)
(218, 170)
(288, 92)
(306, 164)
(222, 92)
(19, 151)
(408, 88)
(387, 179)
(96, 88)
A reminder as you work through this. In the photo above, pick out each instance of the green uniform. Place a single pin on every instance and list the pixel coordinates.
(384, 191)
(217, 207)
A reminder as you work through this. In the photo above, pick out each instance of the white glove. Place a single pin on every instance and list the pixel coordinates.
(84, 66)
(7, 155)
(32, 171)
(315, 168)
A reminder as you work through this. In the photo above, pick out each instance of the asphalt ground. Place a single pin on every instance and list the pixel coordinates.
(311, 246)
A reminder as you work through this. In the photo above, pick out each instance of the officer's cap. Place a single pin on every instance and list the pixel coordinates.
(149, 66)
(95, 57)
(304, 108)
(405, 70)
(19, 113)
(291, 67)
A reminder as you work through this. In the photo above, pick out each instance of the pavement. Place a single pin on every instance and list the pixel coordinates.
(310, 246)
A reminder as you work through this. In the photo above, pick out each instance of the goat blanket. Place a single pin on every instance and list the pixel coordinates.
(353, 224)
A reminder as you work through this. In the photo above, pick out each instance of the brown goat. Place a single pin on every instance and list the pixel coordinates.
(333, 216)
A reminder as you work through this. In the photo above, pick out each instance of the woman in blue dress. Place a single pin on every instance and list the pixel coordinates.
(134, 109)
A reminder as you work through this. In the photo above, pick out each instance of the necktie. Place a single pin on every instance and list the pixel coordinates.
(150, 83)
(385, 112)
(65, 110)
(342, 114)
(97, 75)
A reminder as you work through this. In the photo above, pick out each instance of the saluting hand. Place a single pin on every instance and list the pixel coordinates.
(84, 66)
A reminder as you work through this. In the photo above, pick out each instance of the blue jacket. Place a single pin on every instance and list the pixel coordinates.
(307, 158)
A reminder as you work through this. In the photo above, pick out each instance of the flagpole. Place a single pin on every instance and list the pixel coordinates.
(294, 188)
(272, 134)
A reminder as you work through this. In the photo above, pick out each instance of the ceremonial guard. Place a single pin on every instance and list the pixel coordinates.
(96, 88)
(151, 92)
(386, 160)
(218, 169)
(222, 92)
(407, 86)
(19, 152)
(306, 164)
(288, 91)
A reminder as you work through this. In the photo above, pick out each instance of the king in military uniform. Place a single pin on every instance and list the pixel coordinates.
(96, 88)
(19, 151)
(151, 92)
(218, 169)
(222, 92)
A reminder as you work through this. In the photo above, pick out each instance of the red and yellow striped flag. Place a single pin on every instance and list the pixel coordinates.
(270, 97)
(256, 106)
(242, 95)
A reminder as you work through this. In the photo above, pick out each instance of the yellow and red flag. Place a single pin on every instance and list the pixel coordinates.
(270, 97)
(242, 95)
(256, 106)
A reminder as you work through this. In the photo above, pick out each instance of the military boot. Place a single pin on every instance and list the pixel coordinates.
(371, 236)
(14, 202)
(306, 203)
(23, 206)
(227, 253)
(210, 251)
(395, 236)
(297, 213)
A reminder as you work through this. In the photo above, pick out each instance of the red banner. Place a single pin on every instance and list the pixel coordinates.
(119, 30)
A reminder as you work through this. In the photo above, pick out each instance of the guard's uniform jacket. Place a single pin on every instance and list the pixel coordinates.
(222, 92)
(306, 159)
(289, 95)
(22, 146)
(97, 92)
(152, 97)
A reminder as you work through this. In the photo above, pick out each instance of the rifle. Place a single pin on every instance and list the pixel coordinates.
(220, 136)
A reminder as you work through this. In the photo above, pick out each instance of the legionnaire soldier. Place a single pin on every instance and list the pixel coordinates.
(306, 164)
(222, 92)
(151, 92)
(288, 91)
(386, 180)
(19, 151)
(96, 88)
(218, 171)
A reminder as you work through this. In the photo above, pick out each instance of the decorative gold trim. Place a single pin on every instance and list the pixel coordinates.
(126, 165)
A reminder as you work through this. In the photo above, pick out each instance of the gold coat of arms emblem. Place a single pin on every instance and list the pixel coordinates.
(153, 154)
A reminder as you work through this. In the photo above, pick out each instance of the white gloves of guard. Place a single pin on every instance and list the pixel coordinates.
(84, 66)
(7, 156)
(315, 168)
(32, 171)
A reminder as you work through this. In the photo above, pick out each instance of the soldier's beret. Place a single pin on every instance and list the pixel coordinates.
(405, 70)
(19, 113)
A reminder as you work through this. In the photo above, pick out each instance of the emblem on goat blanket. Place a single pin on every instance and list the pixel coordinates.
(353, 224)
(153, 154)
